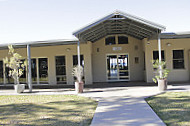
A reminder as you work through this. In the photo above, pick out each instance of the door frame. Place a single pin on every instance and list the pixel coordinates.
(117, 54)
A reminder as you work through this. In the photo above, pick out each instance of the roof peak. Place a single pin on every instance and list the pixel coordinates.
(124, 24)
(117, 12)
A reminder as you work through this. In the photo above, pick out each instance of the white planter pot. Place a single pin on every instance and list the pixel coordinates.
(19, 88)
(162, 85)
(79, 87)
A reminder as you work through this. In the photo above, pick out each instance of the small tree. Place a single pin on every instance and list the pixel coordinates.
(163, 70)
(15, 64)
(78, 73)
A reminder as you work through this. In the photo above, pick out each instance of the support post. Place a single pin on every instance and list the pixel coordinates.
(29, 68)
(78, 53)
(160, 54)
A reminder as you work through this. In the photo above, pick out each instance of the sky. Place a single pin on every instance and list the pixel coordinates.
(38, 20)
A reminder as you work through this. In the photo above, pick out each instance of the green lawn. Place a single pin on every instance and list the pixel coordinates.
(172, 107)
(38, 110)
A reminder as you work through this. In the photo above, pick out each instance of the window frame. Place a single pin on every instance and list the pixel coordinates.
(82, 63)
(39, 75)
(61, 65)
(81, 60)
(122, 36)
(110, 37)
(2, 73)
(163, 56)
(182, 59)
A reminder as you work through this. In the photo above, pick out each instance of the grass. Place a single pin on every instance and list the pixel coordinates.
(172, 107)
(38, 110)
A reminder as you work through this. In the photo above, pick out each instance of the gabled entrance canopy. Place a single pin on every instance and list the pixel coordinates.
(119, 23)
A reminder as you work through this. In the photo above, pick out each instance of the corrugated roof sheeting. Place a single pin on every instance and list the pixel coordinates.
(118, 23)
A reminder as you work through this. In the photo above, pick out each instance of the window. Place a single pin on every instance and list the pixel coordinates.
(34, 70)
(75, 60)
(43, 70)
(22, 78)
(136, 60)
(1, 71)
(156, 55)
(110, 40)
(122, 40)
(10, 80)
(178, 59)
(60, 69)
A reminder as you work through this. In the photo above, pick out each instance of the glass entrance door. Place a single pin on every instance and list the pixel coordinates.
(117, 67)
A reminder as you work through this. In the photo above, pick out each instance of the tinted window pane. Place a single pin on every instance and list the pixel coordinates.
(60, 65)
(156, 55)
(178, 59)
(122, 40)
(43, 69)
(24, 71)
(178, 64)
(61, 79)
(9, 79)
(34, 70)
(110, 40)
(178, 54)
(60, 70)
(75, 60)
(1, 69)
(33, 67)
(60, 60)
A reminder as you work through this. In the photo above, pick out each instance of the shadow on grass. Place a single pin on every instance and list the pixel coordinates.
(172, 109)
(57, 113)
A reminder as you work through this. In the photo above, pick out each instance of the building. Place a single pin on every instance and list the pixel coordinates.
(118, 47)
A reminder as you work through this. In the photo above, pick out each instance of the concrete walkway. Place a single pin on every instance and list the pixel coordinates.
(118, 106)
(126, 106)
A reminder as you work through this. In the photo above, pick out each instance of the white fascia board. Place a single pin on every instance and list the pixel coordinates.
(92, 24)
(143, 21)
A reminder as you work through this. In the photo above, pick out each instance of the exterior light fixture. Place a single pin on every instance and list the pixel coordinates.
(168, 44)
(68, 49)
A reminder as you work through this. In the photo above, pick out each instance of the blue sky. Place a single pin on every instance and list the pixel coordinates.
(35, 20)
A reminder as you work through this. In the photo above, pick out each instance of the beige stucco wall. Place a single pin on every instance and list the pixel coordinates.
(99, 58)
(51, 51)
(95, 62)
(176, 44)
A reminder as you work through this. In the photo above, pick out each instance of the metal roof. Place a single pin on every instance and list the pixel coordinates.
(118, 23)
(172, 35)
(40, 43)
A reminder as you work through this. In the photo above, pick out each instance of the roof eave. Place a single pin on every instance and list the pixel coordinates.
(135, 18)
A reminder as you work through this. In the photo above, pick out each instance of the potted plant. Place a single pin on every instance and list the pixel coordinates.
(161, 74)
(16, 68)
(77, 72)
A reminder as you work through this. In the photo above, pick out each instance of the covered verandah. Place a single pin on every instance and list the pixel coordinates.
(27, 56)
(115, 24)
